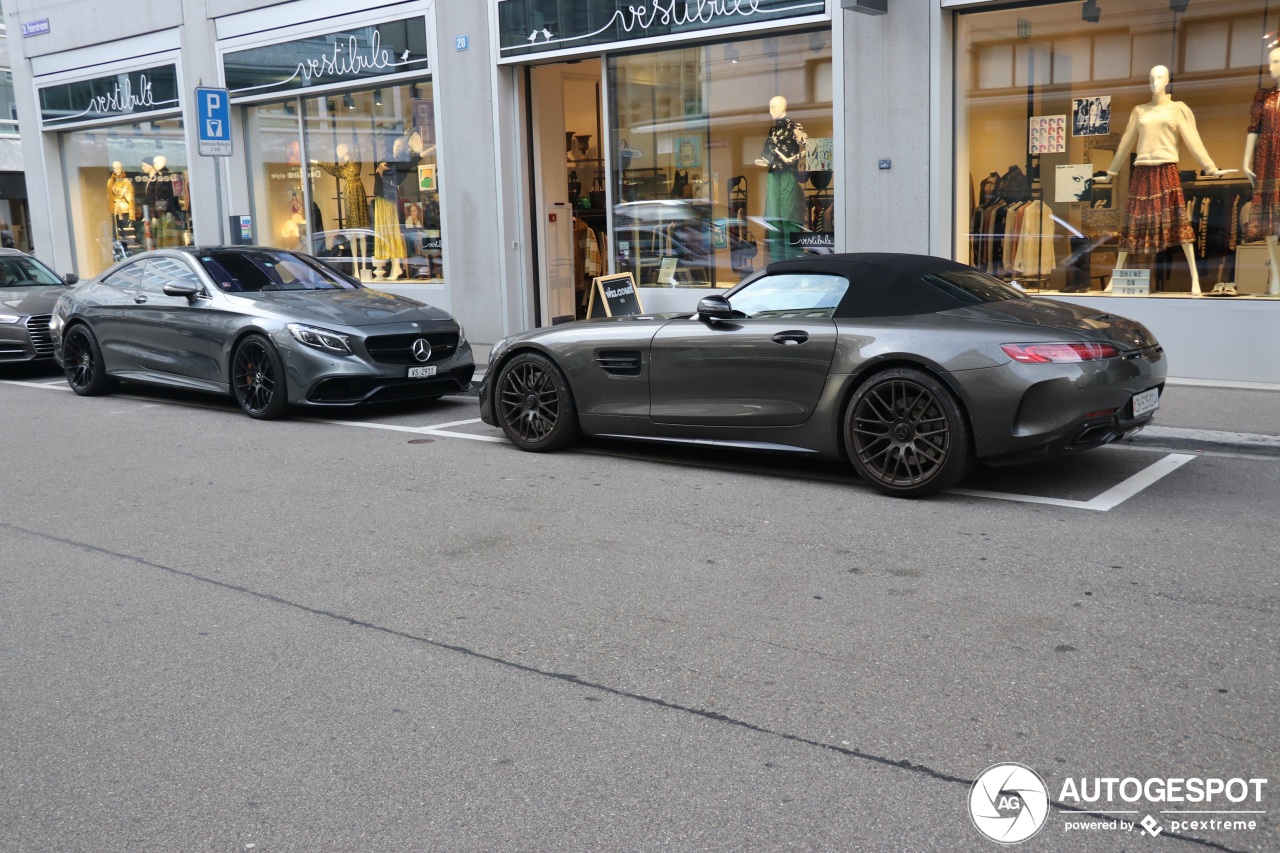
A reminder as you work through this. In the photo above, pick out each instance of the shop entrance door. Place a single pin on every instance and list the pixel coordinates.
(569, 185)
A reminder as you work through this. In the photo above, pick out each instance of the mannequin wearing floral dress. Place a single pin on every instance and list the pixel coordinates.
(1262, 166)
(355, 202)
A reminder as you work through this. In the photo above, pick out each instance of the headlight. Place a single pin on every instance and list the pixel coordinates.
(9, 318)
(321, 339)
(462, 336)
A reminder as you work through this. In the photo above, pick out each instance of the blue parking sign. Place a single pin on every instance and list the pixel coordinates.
(213, 122)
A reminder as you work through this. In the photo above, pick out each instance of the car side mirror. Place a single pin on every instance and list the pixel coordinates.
(71, 278)
(190, 291)
(712, 308)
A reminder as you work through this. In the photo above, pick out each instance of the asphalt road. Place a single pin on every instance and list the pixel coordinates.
(218, 634)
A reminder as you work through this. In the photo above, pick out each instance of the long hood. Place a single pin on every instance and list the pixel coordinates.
(364, 307)
(1081, 320)
(25, 301)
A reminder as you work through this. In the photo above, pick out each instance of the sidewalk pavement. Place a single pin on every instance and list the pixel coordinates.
(1193, 415)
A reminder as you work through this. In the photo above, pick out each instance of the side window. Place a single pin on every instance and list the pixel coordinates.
(792, 295)
(127, 277)
(162, 271)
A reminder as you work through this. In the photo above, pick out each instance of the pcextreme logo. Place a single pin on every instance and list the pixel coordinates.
(1009, 803)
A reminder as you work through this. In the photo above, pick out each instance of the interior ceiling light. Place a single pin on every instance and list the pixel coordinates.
(349, 102)
(1090, 11)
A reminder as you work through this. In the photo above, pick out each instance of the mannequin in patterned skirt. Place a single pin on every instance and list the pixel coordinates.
(1262, 166)
(1155, 215)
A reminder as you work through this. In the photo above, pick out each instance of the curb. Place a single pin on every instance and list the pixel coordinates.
(1207, 439)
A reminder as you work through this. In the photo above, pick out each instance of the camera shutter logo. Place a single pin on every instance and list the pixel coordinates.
(422, 349)
(1008, 803)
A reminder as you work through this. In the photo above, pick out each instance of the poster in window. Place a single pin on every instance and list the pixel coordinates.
(687, 151)
(1091, 116)
(1073, 182)
(426, 177)
(818, 153)
(1047, 135)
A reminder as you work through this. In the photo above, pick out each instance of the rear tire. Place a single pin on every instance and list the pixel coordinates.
(257, 378)
(907, 434)
(534, 404)
(82, 363)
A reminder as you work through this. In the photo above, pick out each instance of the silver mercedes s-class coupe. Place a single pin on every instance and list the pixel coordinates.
(912, 368)
(273, 328)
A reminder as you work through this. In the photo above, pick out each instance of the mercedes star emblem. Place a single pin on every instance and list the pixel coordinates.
(421, 349)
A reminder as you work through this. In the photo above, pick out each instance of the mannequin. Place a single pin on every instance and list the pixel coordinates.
(1262, 166)
(784, 201)
(347, 169)
(1155, 216)
(388, 240)
(148, 181)
(120, 193)
(168, 226)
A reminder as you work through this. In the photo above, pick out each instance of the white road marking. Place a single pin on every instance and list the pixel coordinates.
(1110, 499)
(57, 385)
(430, 429)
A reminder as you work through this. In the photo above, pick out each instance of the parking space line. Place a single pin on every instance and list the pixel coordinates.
(430, 429)
(55, 384)
(1110, 499)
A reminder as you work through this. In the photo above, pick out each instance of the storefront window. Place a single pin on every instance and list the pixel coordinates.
(128, 189)
(722, 158)
(353, 178)
(1113, 140)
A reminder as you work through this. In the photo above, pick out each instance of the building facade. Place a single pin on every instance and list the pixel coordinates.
(495, 157)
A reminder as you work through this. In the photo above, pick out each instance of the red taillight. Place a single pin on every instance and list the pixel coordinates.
(1049, 353)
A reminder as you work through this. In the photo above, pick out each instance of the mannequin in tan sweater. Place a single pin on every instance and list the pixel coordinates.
(1154, 130)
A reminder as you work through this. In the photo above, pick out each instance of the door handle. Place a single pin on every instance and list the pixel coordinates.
(790, 338)
(139, 299)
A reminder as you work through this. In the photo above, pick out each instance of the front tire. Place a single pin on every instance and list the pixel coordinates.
(906, 433)
(534, 404)
(257, 378)
(82, 363)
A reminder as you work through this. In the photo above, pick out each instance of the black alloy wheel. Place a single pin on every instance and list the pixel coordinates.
(906, 434)
(82, 363)
(534, 404)
(257, 377)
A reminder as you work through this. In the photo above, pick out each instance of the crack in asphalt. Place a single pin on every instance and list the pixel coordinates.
(569, 678)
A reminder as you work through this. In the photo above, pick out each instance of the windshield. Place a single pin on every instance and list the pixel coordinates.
(24, 272)
(971, 287)
(258, 270)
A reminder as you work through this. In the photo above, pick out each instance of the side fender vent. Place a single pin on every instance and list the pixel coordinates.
(619, 362)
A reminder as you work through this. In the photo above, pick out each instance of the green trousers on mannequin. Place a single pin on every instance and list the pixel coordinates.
(784, 208)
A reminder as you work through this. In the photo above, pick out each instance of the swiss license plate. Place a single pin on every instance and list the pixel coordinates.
(424, 372)
(1147, 401)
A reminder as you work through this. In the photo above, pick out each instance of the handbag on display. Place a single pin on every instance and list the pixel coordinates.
(597, 193)
(575, 189)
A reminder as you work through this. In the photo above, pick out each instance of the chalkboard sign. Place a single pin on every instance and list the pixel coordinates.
(614, 296)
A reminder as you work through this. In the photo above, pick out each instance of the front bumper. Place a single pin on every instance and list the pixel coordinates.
(26, 340)
(317, 379)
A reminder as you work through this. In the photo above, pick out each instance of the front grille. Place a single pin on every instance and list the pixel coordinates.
(38, 328)
(619, 362)
(398, 349)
